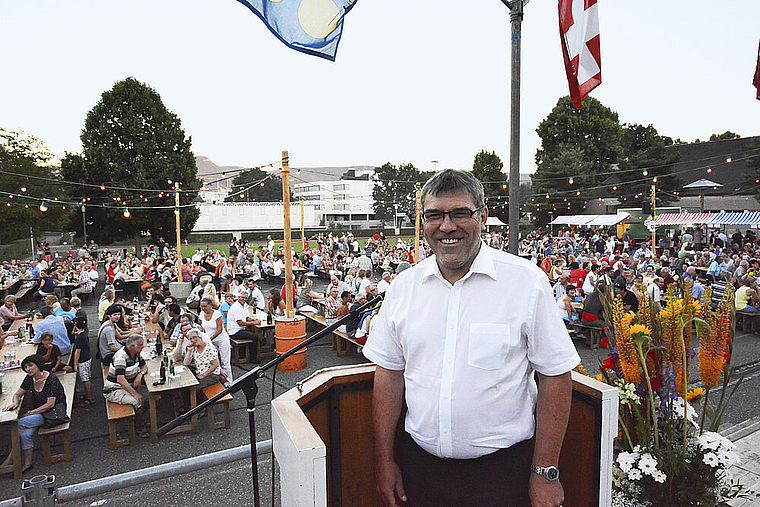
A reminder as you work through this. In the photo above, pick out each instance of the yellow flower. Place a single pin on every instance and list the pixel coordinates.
(640, 328)
(600, 377)
(628, 318)
(695, 393)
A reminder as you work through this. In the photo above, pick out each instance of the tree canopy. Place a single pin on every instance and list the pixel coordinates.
(130, 139)
(24, 155)
(396, 185)
(269, 191)
(487, 167)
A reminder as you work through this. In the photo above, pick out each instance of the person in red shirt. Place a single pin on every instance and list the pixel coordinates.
(547, 264)
(578, 275)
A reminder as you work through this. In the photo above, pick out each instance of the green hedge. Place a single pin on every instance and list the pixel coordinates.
(19, 249)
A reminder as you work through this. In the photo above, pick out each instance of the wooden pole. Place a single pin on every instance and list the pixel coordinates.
(417, 195)
(654, 217)
(290, 312)
(303, 236)
(179, 242)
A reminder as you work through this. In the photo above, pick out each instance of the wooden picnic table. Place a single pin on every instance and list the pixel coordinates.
(183, 380)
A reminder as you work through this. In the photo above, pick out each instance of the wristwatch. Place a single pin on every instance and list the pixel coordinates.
(550, 473)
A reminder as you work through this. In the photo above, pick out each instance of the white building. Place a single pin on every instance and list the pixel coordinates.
(347, 201)
(252, 216)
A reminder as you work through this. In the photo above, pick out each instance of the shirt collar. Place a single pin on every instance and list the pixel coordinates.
(483, 264)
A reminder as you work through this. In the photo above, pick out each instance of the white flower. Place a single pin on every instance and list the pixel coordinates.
(628, 392)
(728, 458)
(711, 459)
(659, 476)
(634, 474)
(691, 414)
(712, 441)
(648, 464)
(626, 461)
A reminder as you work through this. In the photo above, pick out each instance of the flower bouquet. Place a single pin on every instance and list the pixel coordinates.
(668, 451)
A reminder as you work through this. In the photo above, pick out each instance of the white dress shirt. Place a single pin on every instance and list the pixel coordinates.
(469, 351)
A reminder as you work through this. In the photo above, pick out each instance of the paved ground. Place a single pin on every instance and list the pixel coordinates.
(231, 483)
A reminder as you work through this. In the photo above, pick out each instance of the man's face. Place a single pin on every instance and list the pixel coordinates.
(116, 317)
(454, 243)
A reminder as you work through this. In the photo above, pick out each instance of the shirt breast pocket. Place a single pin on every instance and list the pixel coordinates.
(488, 346)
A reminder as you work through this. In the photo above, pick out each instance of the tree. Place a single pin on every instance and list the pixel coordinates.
(268, 191)
(646, 158)
(395, 185)
(130, 139)
(487, 167)
(578, 143)
(725, 135)
(21, 197)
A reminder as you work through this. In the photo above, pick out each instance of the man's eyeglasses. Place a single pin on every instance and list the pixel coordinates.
(458, 216)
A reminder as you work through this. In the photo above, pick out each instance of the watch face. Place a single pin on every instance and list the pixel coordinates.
(552, 473)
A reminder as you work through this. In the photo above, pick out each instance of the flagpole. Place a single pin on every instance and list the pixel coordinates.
(515, 18)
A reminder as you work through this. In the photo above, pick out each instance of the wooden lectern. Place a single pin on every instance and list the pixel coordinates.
(322, 439)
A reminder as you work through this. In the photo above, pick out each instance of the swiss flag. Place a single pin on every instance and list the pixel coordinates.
(756, 80)
(579, 32)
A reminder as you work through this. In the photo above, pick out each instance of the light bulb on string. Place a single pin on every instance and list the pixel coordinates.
(570, 181)
(126, 213)
(645, 173)
(43, 206)
(102, 187)
(709, 170)
(23, 189)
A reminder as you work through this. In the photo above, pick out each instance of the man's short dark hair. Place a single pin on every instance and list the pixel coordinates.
(114, 308)
(175, 309)
(345, 294)
(45, 311)
(451, 181)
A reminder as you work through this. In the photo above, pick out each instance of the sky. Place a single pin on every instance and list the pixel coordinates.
(414, 81)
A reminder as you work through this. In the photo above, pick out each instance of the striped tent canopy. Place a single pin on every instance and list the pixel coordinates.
(684, 218)
(736, 218)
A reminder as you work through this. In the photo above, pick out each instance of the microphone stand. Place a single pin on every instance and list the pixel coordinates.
(247, 383)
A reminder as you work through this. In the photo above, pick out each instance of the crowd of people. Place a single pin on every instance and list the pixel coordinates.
(577, 261)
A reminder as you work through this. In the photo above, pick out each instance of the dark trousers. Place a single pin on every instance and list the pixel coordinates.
(499, 479)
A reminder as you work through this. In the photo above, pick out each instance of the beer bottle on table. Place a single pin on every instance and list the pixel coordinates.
(163, 372)
(29, 327)
(269, 318)
(171, 367)
(159, 346)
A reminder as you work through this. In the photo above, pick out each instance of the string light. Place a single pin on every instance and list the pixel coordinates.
(23, 189)
(570, 180)
(127, 214)
(43, 206)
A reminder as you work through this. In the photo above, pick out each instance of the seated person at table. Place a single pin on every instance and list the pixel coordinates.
(55, 325)
(180, 347)
(229, 300)
(331, 304)
(193, 301)
(64, 310)
(306, 297)
(47, 394)
(255, 296)
(125, 378)
(630, 301)
(593, 311)
(108, 341)
(204, 359)
(564, 303)
(9, 313)
(275, 303)
(747, 297)
(239, 320)
(106, 299)
(49, 353)
(177, 333)
(83, 359)
(47, 288)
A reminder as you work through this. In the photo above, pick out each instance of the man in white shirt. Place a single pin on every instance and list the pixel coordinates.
(279, 266)
(460, 337)
(239, 320)
(384, 283)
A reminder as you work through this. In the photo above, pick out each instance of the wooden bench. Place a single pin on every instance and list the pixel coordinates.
(748, 322)
(25, 289)
(69, 382)
(593, 334)
(241, 351)
(117, 412)
(209, 392)
(342, 341)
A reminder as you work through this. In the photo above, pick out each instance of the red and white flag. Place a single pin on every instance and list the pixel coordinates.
(756, 80)
(579, 32)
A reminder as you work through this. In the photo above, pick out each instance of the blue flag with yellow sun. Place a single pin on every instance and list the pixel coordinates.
(310, 26)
